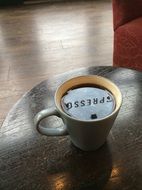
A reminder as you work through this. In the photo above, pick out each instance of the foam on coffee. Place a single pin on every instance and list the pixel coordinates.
(88, 102)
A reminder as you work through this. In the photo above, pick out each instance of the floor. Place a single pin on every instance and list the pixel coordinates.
(41, 40)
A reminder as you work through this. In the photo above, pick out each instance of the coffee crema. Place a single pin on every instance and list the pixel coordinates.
(88, 102)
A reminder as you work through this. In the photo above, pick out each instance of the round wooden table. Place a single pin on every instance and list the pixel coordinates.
(30, 161)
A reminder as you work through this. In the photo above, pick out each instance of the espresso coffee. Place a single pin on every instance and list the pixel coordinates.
(88, 102)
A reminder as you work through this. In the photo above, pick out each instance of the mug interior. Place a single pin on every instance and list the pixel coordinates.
(86, 81)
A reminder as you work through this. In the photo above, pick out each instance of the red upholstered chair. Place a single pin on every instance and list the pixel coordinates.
(127, 17)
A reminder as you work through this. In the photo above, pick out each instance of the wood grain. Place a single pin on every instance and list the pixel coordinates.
(31, 161)
(39, 41)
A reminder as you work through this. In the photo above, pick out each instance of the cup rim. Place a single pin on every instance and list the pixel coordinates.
(88, 121)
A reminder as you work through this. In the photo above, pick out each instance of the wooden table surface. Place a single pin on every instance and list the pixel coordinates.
(30, 161)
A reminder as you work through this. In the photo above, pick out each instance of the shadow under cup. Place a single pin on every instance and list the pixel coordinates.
(88, 134)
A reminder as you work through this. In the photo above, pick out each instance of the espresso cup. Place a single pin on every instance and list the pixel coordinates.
(87, 132)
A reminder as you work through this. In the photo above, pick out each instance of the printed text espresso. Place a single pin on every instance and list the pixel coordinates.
(87, 102)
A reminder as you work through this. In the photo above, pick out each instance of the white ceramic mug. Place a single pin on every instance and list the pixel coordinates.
(85, 134)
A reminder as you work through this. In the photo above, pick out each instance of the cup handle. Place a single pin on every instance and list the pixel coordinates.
(45, 130)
